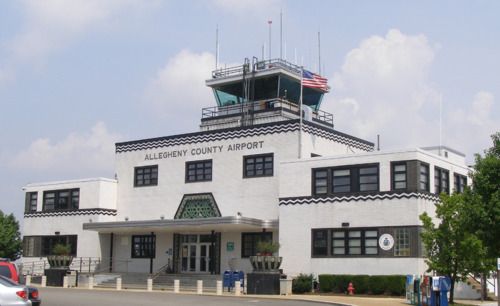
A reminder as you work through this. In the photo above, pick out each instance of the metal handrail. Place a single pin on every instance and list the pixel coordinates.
(269, 104)
(258, 66)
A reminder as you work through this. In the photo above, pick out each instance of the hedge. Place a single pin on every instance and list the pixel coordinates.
(302, 283)
(363, 284)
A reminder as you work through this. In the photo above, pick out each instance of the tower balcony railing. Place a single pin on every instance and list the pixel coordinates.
(256, 66)
(265, 106)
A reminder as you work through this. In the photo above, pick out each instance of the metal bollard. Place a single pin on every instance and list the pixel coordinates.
(91, 282)
(119, 283)
(44, 281)
(150, 284)
(65, 282)
(219, 287)
(176, 286)
(28, 280)
(199, 287)
(237, 288)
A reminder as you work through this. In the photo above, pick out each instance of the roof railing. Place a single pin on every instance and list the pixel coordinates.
(257, 66)
(269, 105)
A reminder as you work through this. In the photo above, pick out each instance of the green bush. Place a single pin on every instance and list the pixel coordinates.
(363, 284)
(302, 283)
(325, 282)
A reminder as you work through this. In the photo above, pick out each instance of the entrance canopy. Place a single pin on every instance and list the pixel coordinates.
(218, 224)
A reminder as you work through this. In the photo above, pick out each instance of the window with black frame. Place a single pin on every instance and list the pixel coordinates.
(249, 242)
(258, 165)
(399, 178)
(341, 180)
(199, 171)
(320, 183)
(441, 180)
(146, 176)
(460, 182)
(368, 178)
(320, 242)
(49, 242)
(354, 242)
(424, 177)
(68, 199)
(402, 242)
(31, 202)
(143, 246)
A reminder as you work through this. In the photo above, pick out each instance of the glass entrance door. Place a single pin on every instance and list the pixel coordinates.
(195, 254)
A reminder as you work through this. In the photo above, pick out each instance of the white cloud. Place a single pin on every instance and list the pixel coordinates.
(89, 152)
(52, 24)
(178, 91)
(472, 125)
(383, 88)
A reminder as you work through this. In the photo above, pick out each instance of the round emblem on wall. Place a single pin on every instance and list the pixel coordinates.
(386, 242)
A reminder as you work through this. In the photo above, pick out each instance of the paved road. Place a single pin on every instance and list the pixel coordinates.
(84, 297)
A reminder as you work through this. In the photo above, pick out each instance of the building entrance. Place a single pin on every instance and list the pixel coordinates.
(196, 253)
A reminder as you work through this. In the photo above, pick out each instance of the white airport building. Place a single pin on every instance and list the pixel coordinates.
(255, 171)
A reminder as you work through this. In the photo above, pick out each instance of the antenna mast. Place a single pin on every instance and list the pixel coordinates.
(270, 22)
(216, 46)
(281, 34)
(319, 53)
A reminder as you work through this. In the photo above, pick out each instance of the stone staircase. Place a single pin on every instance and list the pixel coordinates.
(188, 282)
(476, 285)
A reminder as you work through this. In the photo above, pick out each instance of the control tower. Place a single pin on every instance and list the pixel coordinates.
(265, 91)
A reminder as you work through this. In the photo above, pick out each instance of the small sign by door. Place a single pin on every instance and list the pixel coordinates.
(230, 246)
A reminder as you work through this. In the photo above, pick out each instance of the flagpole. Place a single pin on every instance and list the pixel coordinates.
(300, 111)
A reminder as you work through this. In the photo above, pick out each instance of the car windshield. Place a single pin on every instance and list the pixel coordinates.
(5, 271)
(7, 281)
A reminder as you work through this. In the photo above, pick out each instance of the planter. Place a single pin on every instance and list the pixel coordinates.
(59, 261)
(266, 263)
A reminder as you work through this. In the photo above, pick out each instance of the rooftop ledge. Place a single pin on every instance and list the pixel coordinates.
(270, 106)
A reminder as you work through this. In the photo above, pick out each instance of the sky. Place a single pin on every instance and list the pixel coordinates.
(77, 76)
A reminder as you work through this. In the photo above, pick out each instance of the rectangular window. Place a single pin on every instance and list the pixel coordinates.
(341, 180)
(31, 202)
(402, 243)
(258, 165)
(460, 182)
(424, 177)
(199, 171)
(48, 243)
(320, 240)
(345, 179)
(146, 176)
(143, 246)
(368, 178)
(399, 179)
(441, 180)
(249, 242)
(61, 199)
(354, 242)
(320, 181)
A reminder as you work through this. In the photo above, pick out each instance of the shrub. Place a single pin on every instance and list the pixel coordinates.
(363, 284)
(61, 249)
(302, 283)
(325, 282)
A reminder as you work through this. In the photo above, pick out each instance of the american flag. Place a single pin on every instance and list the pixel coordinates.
(313, 80)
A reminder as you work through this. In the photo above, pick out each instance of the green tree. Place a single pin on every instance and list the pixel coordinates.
(485, 208)
(10, 238)
(486, 189)
(451, 249)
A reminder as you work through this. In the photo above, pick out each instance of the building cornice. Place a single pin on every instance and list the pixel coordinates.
(241, 132)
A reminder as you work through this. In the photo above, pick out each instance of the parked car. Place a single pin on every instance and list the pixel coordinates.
(9, 270)
(13, 294)
(33, 294)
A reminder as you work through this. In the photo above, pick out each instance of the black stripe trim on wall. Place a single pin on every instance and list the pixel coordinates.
(76, 212)
(240, 132)
(390, 195)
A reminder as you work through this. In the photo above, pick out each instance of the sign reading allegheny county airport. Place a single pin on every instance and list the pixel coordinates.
(386, 242)
(205, 150)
